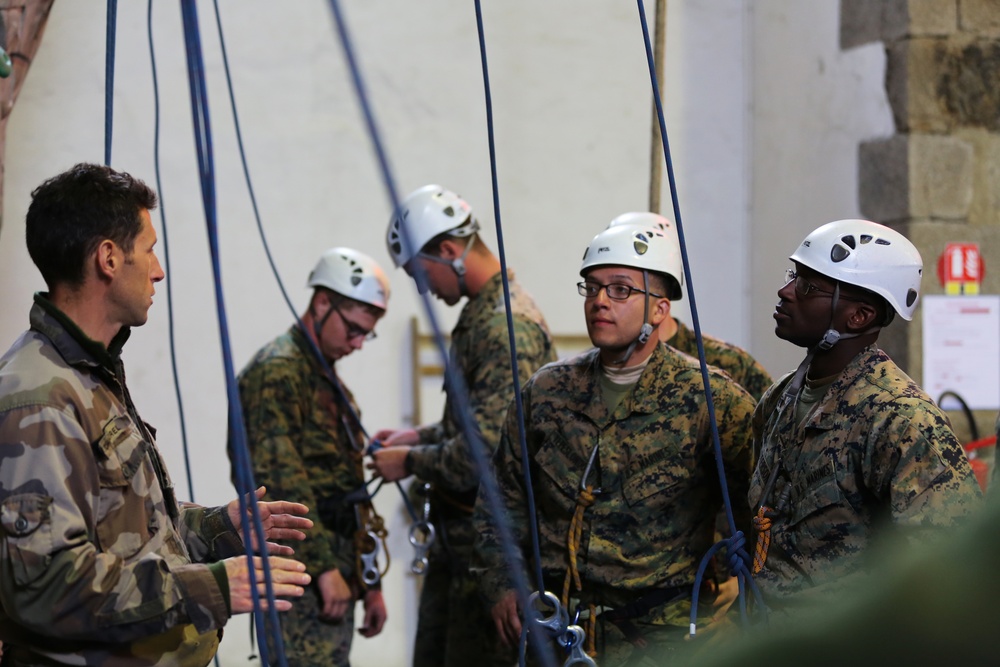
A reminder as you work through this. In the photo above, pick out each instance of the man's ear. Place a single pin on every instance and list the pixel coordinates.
(108, 259)
(320, 304)
(449, 249)
(659, 311)
(862, 316)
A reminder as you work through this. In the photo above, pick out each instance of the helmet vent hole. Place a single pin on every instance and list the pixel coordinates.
(911, 296)
(449, 211)
(848, 241)
(866, 238)
(882, 242)
(839, 253)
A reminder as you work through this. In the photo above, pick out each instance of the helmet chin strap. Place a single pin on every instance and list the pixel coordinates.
(830, 338)
(646, 330)
(457, 265)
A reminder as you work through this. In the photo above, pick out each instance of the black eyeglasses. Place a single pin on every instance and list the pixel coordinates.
(616, 291)
(804, 288)
(354, 330)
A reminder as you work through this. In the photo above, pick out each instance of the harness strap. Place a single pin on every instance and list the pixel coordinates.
(622, 616)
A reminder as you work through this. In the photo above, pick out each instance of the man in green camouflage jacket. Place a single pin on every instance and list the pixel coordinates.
(620, 448)
(454, 628)
(733, 359)
(851, 450)
(307, 445)
(99, 564)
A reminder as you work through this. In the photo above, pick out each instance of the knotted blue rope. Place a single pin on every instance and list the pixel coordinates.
(739, 561)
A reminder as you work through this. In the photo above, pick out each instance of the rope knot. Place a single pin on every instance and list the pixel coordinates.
(762, 523)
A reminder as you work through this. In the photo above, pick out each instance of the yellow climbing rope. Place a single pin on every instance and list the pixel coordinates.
(762, 524)
(583, 501)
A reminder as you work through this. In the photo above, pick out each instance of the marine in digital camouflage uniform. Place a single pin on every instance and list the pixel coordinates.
(653, 476)
(99, 564)
(851, 450)
(306, 445)
(733, 359)
(454, 628)
(875, 449)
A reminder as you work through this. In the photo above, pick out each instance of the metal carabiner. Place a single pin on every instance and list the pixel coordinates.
(369, 562)
(421, 547)
(573, 640)
(558, 621)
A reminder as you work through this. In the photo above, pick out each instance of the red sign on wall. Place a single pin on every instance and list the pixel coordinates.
(960, 268)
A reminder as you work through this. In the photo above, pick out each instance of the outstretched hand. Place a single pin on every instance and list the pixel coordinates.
(287, 576)
(282, 520)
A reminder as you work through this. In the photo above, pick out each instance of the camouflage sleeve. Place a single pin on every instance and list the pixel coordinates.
(431, 432)
(917, 459)
(490, 389)
(489, 562)
(209, 534)
(54, 580)
(275, 403)
(734, 412)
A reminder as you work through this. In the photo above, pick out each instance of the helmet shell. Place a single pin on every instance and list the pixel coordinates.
(867, 255)
(649, 246)
(428, 212)
(352, 274)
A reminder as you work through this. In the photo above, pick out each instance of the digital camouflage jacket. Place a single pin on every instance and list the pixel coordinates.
(653, 517)
(98, 564)
(874, 457)
(480, 350)
(300, 437)
(736, 361)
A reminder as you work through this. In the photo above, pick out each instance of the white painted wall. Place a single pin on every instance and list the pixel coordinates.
(764, 114)
(812, 106)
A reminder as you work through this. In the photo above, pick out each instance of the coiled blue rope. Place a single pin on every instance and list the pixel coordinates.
(206, 173)
(738, 559)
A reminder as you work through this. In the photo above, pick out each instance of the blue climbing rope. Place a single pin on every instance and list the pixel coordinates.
(109, 78)
(738, 559)
(166, 251)
(456, 386)
(540, 648)
(206, 173)
(327, 368)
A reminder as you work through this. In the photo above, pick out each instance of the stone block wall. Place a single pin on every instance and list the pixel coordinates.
(937, 179)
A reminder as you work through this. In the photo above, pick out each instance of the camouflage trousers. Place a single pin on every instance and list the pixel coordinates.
(309, 640)
(455, 628)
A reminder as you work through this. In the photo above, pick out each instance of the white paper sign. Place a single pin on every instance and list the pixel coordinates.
(962, 348)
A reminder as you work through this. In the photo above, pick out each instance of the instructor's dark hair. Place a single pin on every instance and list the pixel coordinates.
(70, 214)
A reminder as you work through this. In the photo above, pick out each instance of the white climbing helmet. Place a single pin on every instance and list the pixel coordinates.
(867, 255)
(428, 212)
(352, 274)
(657, 223)
(650, 246)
